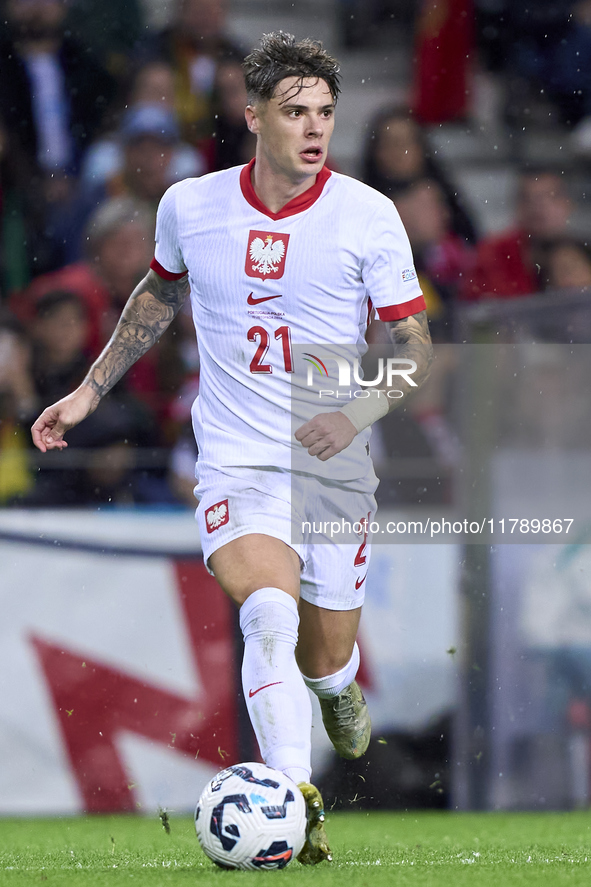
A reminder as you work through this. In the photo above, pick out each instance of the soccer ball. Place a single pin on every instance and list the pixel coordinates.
(251, 817)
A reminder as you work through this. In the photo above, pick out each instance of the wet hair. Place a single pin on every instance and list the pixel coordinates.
(280, 55)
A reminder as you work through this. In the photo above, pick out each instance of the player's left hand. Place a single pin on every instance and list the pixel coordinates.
(326, 434)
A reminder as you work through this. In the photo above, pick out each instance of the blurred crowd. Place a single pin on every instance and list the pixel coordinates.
(101, 109)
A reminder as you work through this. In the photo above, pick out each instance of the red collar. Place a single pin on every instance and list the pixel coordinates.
(297, 205)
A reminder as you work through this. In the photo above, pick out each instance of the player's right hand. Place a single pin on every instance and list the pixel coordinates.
(49, 429)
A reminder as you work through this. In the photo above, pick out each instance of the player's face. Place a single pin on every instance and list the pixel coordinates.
(294, 127)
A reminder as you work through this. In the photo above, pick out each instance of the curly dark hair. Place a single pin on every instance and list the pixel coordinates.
(280, 55)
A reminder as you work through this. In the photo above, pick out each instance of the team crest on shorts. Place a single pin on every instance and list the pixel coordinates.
(265, 255)
(217, 516)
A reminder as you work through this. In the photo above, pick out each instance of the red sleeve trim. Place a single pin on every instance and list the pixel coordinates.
(166, 275)
(397, 312)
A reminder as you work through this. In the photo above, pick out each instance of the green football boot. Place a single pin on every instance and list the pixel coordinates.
(316, 848)
(347, 722)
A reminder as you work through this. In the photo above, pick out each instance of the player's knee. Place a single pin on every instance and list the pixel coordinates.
(270, 613)
(239, 585)
(319, 663)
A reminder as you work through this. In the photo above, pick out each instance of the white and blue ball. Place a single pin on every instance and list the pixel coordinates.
(251, 817)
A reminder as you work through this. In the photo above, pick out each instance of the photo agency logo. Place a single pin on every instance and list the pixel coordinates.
(350, 374)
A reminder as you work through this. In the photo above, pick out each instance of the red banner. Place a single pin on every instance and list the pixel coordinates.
(444, 53)
(94, 702)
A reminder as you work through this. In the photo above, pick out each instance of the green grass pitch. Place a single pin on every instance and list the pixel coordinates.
(369, 849)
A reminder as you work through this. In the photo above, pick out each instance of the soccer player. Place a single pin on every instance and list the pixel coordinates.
(278, 252)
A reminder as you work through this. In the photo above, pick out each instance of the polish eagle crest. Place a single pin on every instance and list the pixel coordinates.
(266, 254)
(216, 516)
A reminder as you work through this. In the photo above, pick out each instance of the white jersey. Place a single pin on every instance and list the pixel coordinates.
(262, 282)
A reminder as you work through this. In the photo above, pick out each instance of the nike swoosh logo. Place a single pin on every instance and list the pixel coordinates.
(252, 693)
(360, 582)
(252, 301)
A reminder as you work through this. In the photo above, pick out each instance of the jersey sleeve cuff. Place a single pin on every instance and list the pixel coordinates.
(162, 272)
(406, 309)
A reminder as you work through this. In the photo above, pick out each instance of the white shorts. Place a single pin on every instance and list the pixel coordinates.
(305, 512)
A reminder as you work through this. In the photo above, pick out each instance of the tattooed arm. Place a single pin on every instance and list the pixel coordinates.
(329, 433)
(412, 341)
(149, 311)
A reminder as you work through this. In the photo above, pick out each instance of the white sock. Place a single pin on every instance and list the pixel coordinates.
(332, 684)
(276, 697)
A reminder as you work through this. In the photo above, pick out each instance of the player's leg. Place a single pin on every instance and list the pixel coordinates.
(327, 651)
(246, 530)
(276, 697)
(327, 639)
(332, 591)
(261, 575)
(328, 657)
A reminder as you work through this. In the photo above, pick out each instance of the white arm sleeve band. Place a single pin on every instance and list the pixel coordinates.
(364, 411)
